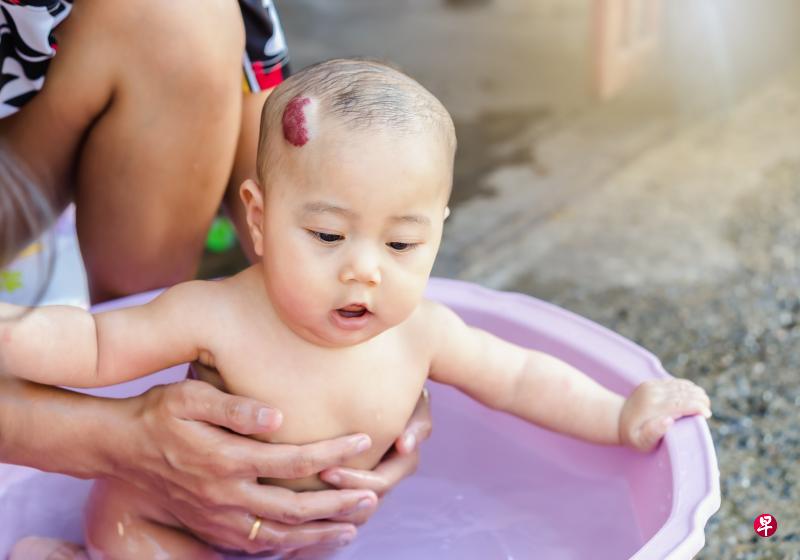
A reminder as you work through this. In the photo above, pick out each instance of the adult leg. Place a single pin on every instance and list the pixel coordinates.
(166, 142)
(139, 118)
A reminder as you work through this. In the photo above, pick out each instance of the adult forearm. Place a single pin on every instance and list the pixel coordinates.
(56, 430)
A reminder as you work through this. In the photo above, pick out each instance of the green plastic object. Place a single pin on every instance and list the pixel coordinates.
(10, 281)
(221, 235)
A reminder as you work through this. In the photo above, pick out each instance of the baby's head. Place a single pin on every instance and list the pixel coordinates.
(355, 166)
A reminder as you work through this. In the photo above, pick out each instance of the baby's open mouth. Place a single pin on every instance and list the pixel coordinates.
(351, 311)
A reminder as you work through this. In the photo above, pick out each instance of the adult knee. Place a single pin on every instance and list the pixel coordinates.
(190, 45)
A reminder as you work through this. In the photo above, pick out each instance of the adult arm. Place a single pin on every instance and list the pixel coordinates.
(55, 430)
(177, 441)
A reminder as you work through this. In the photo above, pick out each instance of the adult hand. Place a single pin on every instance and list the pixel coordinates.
(400, 462)
(180, 445)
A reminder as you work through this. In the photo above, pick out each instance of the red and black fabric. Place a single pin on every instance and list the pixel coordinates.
(266, 57)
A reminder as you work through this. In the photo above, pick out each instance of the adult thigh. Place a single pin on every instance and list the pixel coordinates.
(154, 166)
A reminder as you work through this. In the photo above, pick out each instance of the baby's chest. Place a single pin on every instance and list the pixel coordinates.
(322, 396)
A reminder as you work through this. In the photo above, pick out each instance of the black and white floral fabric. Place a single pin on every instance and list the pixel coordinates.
(27, 45)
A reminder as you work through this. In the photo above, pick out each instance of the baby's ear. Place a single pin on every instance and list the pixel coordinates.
(446, 212)
(253, 199)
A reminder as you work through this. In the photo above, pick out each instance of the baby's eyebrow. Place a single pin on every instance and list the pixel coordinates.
(412, 218)
(323, 207)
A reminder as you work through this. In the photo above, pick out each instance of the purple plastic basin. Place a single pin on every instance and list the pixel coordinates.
(490, 486)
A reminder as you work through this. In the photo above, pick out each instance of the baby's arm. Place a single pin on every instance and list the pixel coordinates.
(62, 345)
(549, 392)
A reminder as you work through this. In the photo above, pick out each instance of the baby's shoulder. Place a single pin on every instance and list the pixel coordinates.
(216, 311)
(428, 319)
(433, 313)
(214, 302)
(196, 294)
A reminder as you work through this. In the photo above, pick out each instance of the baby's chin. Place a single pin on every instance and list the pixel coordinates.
(333, 335)
(328, 335)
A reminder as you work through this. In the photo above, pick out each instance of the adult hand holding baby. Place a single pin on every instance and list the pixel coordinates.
(181, 445)
(400, 462)
(207, 475)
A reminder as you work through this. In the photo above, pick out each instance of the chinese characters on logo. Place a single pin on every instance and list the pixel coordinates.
(765, 525)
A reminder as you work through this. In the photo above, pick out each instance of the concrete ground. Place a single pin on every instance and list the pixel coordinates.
(667, 213)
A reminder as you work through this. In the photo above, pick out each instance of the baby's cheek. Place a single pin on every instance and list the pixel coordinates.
(296, 283)
(409, 294)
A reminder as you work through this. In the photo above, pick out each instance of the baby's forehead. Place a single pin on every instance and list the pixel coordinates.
(330, 140)
(311, 140)
(300, 120)
(367, 167)
(306, 118)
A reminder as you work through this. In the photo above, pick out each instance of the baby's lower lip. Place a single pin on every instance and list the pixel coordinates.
(351, 312)
(350, 320)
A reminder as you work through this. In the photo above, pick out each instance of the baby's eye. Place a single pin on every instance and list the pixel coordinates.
(401, 247)
(326, 237)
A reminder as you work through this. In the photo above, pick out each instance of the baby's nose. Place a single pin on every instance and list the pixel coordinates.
(364, 268)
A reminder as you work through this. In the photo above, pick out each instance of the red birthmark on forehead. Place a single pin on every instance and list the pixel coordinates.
(294, 121)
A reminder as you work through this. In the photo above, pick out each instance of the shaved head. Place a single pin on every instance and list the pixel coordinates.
(355, 94)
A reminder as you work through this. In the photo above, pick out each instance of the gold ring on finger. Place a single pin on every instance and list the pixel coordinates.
(254, 529)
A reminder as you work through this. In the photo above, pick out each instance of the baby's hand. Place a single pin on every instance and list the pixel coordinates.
(654, 406)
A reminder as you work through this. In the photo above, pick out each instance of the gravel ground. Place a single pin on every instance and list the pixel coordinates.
(739, 340)
(692, 252)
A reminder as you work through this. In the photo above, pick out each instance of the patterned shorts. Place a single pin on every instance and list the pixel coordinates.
(27, 44)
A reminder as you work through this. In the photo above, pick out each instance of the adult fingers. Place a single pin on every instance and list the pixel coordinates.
(196, 400)
(275, 537)
(232, 529)
(354, 478)
(281, 460)
(317, 552)
(380, 480)
(296, 508)
(419, 426)
(358, 517)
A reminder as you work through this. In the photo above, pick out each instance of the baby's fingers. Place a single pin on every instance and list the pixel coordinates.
(687, 404)
(695, 391)
(651, 432)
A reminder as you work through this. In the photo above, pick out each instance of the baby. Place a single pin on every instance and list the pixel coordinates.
(354, 173)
